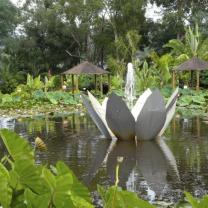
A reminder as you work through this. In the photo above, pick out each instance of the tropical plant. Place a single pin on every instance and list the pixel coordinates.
(146, 77)
(126, 52)
(25, 184)
(34, 83)
(197, 203)
(161, 65)
(193, 45)
(49, 83)
(193, 100)
(115, 197)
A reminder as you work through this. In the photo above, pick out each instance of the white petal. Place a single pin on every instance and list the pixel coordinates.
(170, 112)
(140, 103)
(104, 104)
(101, 111)
(172, 97)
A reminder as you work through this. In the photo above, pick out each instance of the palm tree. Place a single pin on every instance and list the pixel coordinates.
(192, 45)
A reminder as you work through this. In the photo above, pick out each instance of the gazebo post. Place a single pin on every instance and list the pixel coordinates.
(109, 84)
(173, 79)
(72, 79)
(95, 82)
(77, 82)
(197, 80)
(62, 80)
(192, 78)
(101, 84)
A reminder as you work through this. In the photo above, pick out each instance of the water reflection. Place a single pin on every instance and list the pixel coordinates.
(127, 150)
(151, 159)
(155, 170)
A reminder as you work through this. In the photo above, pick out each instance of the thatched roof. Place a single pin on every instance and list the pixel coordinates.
(194, 64)
(85, 68)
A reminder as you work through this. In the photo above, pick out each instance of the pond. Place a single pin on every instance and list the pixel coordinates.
(157, 170)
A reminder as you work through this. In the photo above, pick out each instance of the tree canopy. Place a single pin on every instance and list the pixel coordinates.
(57, 34)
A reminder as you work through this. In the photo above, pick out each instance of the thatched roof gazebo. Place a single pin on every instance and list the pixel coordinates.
(193, 64)
(86, 68)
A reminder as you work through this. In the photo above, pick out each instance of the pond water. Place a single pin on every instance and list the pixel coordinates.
(157, 170)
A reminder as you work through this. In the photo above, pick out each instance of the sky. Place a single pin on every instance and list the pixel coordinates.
(152, 10)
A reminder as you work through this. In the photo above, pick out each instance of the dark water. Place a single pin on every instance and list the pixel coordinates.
(157, 170)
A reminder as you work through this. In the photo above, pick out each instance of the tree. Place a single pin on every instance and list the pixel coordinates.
(57, 34)
(192, 45)
(183, 11)
(7, 19)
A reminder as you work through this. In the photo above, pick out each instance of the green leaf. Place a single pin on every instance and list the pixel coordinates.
(29, 175)
(191, 200)
(5, 190)
(49, 178)
(197, 203)
(77, 188)
(115, 197)
(34, 200)
(185, 101)
(62, 192)
(14, 180)
(18, 201)
(80, 202)
(18, 148)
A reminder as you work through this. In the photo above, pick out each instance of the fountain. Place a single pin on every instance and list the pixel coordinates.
(147, 120)
(130, 85)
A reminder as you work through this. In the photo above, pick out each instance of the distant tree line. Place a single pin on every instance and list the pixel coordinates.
(43, 35)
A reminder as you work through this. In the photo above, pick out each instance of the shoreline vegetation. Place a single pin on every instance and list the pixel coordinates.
(53, 110)
(42, 103)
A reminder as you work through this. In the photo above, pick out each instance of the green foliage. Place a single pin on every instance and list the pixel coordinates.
(59, 97)
(116, 197)
(116, 82)
(126, 48)
(23, 99)
(161, 65)
(8, 14)
(192, 102)
(49, 83)
(192, 45)
(5, 189)
(23, 183)
(32, 94)
(192, 99)
(18, 148)
(146, 77)
(197, 203)
(8, 79)
(34, 83)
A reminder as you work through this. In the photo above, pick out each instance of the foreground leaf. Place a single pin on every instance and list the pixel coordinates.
(115, 197)
(17, 147)
(5, 190)
(197, 203)
(34, 200)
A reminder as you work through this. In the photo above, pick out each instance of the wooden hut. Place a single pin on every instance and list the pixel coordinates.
(86, 68)
(193, 64)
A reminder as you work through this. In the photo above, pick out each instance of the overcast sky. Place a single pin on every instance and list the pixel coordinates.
(152, 11)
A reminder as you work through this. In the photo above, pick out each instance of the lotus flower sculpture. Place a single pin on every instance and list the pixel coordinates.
(147, 120)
